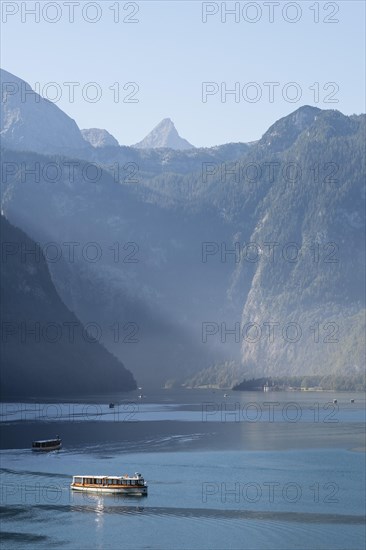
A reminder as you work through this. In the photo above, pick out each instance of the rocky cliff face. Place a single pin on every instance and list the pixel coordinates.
(309, 290)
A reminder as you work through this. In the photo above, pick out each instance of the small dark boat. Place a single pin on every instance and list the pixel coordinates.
(46, 445)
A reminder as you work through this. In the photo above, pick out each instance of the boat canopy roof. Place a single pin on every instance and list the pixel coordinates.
(126, 476)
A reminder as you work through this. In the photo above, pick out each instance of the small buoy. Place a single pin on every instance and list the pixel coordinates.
(111, 405)
(335, 401)
(352, 400)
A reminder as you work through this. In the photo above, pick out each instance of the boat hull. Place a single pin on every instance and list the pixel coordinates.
(129, 491)
(46, 449)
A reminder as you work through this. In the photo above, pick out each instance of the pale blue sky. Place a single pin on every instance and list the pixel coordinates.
(170, 52)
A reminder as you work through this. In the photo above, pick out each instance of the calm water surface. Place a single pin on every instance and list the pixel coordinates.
(245, 471)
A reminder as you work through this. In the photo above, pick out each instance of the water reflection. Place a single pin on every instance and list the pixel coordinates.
(102, 504)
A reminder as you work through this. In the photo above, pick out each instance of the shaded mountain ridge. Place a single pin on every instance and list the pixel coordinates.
(46, 351)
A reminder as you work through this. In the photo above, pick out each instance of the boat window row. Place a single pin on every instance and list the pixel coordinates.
(105, 482)
(43, 444)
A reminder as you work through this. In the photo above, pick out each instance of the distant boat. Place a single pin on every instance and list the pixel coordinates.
(140, 396)
(335, 401)
(124, 485)
(46, 445)
(111, 405)
(352, 400)
(226, 395)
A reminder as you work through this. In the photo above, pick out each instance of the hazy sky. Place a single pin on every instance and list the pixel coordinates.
(169, 52)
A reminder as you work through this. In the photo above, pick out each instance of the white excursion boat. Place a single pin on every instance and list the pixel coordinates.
(124, 485)
(44, 445)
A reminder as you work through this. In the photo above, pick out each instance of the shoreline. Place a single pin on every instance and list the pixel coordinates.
(133, 394)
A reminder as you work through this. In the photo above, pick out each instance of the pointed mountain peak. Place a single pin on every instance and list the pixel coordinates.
(166, 121)
(164, 135)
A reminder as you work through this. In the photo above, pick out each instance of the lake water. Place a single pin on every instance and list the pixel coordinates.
(246, 471)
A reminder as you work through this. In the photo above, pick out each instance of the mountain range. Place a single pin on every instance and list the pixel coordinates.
(245, 255)
(30, 122)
